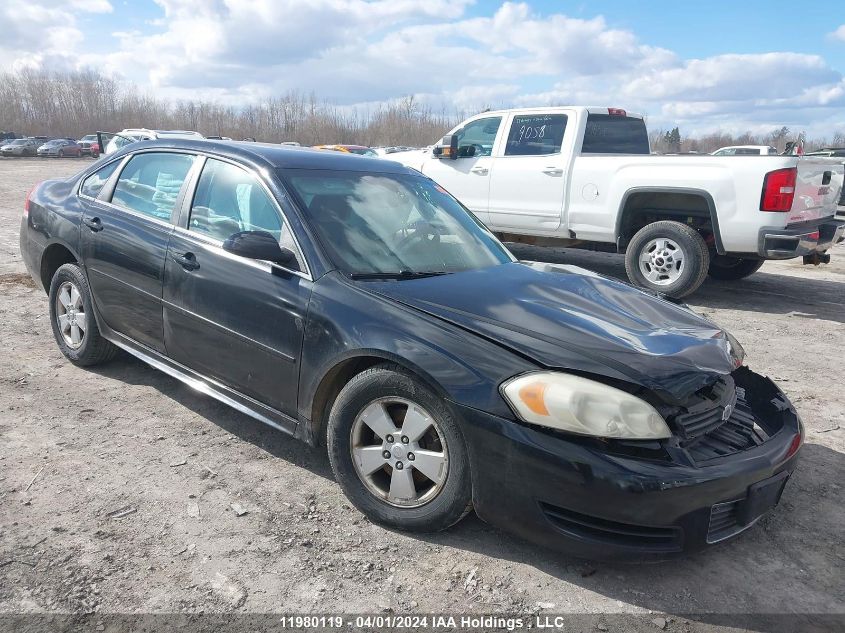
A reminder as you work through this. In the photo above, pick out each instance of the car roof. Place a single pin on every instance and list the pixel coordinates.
(277, 156)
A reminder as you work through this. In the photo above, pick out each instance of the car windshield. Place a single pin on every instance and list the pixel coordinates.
(362, 151)
(375, 224)
(53, 143)
(18, 142)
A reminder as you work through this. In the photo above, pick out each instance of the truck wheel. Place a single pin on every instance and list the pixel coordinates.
(727, 268)
(668, 257)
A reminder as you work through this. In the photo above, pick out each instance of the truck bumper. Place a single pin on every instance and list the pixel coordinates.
(803, 240)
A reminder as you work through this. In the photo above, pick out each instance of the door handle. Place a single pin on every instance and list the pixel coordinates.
(481, 171)
(93, 223)
(188, 261)
(553, 171)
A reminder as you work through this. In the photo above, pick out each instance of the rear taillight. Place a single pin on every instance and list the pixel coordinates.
(26, 201)
(779, 189)
(616, 112)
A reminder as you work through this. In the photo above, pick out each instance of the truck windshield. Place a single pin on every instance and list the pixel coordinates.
(613, 134)
(381, 225)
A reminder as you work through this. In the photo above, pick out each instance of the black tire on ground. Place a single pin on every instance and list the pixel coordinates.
(93, 348)
(726, 268)
(454, 499)
(679, 279)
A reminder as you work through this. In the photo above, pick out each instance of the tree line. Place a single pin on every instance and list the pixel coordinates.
(75, 103)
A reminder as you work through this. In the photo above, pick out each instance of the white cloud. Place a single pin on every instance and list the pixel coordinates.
(360, 52)
(43, 33)
(839, 34)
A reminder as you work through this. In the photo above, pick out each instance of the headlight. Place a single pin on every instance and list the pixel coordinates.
(579, 405)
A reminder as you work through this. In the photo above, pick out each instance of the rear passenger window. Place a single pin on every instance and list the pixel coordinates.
(229, 200)
(536, 135)
(92, 185)
(150, 183)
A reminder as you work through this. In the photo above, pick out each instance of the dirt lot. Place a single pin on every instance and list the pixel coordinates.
(116, 486)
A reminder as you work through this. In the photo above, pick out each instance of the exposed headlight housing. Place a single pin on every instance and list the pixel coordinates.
(578, 405)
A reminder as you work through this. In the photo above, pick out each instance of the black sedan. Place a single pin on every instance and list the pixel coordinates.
(353, 302)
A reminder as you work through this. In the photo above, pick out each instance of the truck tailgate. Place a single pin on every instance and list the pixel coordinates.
(817, 189)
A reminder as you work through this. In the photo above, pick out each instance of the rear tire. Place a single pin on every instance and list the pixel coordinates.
(667, 257)
(72, 317)
(403, 406)
(726, 268)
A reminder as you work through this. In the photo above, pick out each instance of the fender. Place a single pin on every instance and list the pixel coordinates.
(711, 206)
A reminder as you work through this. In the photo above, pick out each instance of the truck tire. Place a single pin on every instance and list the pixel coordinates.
(726, 268)
(668, 257)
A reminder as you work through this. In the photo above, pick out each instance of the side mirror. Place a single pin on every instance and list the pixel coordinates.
(258, 245)
(447, 147)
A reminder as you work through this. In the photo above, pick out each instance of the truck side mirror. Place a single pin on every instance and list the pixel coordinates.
(447, 147)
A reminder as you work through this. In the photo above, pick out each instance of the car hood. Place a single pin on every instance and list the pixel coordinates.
(569, 318)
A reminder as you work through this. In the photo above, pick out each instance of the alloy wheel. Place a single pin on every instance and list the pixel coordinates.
(662, 261)
(70, 315)
(399, 452)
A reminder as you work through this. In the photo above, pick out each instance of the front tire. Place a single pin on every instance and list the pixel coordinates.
(726, 268)
(668, 257)
(72, 317)
(397, 452)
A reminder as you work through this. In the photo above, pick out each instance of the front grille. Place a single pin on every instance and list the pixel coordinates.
(738, 433)
(596, 530)
(706, 411)
(719, 420)
(723, 521)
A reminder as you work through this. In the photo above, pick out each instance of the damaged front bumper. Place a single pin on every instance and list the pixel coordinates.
(636, 500)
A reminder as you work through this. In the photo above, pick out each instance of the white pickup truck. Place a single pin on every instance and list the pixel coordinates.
(585, 177)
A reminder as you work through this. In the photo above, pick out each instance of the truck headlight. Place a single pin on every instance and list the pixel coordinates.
(579, 405)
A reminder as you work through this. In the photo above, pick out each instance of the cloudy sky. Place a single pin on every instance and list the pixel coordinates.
(736, 66)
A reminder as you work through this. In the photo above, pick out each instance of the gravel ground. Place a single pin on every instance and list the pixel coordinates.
(117, 485)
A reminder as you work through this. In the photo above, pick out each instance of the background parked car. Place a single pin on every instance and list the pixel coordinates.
(89, 145)
(746, 150)
(60, 147)
(7, 136)
(114, 142)
(20, 147)
(361, 150)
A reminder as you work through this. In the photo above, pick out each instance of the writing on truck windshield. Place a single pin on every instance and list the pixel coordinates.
(613, 134)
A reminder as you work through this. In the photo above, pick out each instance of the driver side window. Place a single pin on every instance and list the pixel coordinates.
(481, 133)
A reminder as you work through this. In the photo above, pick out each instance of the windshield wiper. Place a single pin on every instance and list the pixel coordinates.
(401, 274)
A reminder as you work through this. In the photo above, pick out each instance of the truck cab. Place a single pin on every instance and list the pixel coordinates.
(585, 177)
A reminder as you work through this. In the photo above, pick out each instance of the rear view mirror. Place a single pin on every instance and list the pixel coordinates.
(258, 245)
(447, 147)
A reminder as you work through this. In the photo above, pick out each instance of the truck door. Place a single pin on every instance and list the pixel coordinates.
(529, 174)
(468, 179)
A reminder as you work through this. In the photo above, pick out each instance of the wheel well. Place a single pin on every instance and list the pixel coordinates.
(54, 256)
(337, 378)
(330, 386)
(645, 207)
